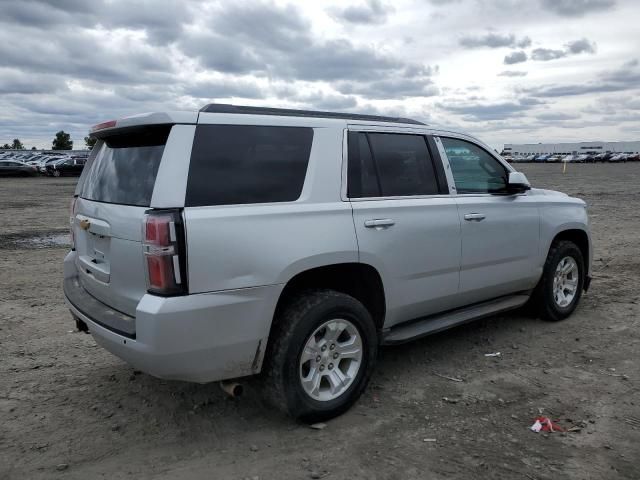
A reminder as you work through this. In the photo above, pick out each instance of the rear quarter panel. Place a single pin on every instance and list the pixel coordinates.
(241, 246)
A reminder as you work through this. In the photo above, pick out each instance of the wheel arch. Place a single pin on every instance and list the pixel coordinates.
(359, 280)
(581, 238)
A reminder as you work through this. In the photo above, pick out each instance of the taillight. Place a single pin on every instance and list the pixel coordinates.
(72, 217)
(165, 253)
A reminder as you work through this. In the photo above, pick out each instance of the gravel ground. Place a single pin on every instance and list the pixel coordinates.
(69, 409)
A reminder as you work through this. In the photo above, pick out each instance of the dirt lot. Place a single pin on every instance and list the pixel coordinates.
(69, 409)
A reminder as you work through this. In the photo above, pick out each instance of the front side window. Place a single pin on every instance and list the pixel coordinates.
(241, 164)
(474, 169)
(389, 165)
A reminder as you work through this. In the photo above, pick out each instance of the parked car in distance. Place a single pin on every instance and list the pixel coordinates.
(573, 158)
(617, 157)
(604, 156)
(42, 167)
(238, 241)
(67, 166)
(541, 158)
(15, 168)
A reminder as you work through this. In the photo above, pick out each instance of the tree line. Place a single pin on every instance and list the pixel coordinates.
(62, 141)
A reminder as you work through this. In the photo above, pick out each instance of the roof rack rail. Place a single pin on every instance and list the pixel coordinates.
(288, 112)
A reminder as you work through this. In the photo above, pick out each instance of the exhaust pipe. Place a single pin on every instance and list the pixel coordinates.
(231, 388)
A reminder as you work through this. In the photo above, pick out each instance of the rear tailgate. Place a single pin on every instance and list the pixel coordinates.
(114, 192)
(109, 257)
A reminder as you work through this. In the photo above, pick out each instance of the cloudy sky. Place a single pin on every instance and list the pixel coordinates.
(504, 70)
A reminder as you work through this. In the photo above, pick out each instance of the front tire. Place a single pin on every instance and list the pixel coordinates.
(321, 354)
(560, 288)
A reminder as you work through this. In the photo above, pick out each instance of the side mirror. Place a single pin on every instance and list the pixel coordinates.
(518, 183)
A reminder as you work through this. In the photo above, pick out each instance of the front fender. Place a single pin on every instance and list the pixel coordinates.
(560, 218)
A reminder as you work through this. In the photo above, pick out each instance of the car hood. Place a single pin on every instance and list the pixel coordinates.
(556, 196)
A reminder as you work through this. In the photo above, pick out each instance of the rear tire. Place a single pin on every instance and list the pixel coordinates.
(560, 288)
(313, 370)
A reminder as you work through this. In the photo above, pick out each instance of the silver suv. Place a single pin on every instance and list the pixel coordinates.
(236, 240)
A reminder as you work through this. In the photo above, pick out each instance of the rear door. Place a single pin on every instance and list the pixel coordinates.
(114, 192)
(406, 222)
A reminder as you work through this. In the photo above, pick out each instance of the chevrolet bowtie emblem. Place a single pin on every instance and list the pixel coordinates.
(85, 224)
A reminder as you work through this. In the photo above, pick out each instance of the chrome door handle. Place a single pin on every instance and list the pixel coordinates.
(379, 223)
(474, 217)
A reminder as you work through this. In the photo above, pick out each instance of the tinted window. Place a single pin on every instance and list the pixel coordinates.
(125, 168)
(237, 164)
(362, 178)
(403, 164)
(474, 169)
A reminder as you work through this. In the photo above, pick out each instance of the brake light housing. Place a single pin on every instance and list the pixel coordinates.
(103, 125)
(72, 217)
(165, 252)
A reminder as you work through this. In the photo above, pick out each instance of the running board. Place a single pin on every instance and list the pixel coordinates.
(436, 323)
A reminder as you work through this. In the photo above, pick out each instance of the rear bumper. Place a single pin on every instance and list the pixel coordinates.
(198, 338)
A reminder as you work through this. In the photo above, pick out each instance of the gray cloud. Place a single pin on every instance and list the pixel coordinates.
(340, 59)
(15, 81)
(489, 111)
(577, 8)
(494, 40)
(629, 71)
(392, 88)
(515, 57)
(324, 101)
(581, 46)
(611, 104)
(42, 13)
(370, 13)
(73, 53)
(627, 77)
(575, 47)
(576, 89)
(224, 88)
(546, 54)
(283, 47)
(512, 73)
(162, 20)
(556, 116)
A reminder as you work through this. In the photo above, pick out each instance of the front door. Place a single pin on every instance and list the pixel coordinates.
(406, 223)
(500, 232)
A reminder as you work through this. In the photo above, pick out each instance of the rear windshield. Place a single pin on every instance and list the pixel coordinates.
(240, 164)
(125, 168)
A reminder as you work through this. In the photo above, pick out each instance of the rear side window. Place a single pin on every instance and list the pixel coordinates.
(401, 164)
(240, 164)
(362, 176)
(124, 169)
